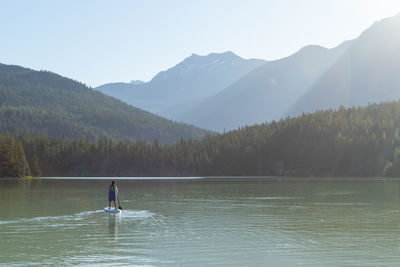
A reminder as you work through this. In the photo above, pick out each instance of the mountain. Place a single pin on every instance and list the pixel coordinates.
(137, 82)
(357, 72)
(265, 93)
(49, 104)
(193, 79)
(368, 72)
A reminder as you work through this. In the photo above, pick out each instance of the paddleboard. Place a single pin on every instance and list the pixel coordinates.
(112, 210)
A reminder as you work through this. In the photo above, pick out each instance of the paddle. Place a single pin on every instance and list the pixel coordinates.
(119, 203)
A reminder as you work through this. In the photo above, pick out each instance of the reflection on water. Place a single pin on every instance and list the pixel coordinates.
(113, 220)
(221, 222)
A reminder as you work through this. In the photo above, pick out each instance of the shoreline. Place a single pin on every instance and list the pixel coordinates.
(187, 178)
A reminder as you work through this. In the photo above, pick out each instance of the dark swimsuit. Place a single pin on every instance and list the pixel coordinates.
(112, 195)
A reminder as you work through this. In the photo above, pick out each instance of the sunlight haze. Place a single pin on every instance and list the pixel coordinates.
(97, 42)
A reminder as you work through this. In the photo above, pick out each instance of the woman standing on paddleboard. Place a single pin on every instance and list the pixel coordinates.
(112, 194)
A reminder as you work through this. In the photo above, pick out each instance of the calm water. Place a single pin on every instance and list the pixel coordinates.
(201, 222)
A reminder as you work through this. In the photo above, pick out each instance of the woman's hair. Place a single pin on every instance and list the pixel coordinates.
(112, 182)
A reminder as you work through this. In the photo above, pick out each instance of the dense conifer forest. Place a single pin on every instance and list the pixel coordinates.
(362, 141)
(45, 103)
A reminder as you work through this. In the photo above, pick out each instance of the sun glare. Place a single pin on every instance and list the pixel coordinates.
(389, 6)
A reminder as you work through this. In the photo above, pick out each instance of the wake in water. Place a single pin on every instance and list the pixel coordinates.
(136, 214)
(80, 216)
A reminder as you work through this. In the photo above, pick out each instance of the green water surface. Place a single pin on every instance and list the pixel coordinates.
(201, 222)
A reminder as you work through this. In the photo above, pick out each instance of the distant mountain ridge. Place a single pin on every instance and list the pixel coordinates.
(368, 72)
(265, 93)
(191, 80)
(49, 104)
(355, 73)
(136, 82)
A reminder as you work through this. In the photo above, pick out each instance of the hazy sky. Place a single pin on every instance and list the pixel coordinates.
(98, 42)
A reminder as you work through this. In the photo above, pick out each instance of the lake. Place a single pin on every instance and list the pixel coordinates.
(201, 222)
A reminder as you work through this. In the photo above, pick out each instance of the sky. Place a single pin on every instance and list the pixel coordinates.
(102, 41)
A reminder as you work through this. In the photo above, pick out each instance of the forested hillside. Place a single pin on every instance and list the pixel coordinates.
(356, 141)
(51, 105)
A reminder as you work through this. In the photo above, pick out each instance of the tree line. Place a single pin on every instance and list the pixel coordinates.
(363, 141)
